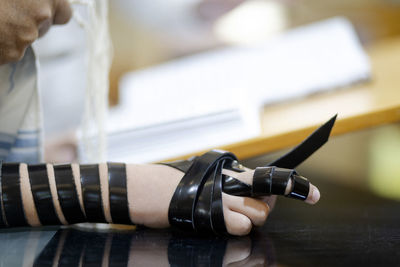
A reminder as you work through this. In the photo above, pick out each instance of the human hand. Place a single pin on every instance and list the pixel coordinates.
(23, 21)
(151, 188)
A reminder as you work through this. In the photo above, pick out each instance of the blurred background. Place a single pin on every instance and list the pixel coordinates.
(148, 34)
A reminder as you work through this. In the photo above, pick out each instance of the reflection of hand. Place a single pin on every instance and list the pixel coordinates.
(150, 248)
(248, 252)
(23, 21)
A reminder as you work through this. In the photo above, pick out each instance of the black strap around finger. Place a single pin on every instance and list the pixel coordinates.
(274, 181)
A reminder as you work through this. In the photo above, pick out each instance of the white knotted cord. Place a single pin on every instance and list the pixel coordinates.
(99, 55)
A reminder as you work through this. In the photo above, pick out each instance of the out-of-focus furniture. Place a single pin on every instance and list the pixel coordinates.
(360, 106)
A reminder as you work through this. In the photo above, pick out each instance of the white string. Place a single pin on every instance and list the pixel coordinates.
(99, 54)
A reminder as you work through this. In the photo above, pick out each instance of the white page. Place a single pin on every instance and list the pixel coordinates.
(317, 57)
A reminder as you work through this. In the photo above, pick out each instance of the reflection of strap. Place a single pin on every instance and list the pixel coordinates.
(70, 247)
(311, 144)
(197, 251)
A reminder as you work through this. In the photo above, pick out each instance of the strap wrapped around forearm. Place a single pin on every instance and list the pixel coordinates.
(67, 194)
(11, 195)
(63, 205)
(42, 195)
(91, 193)
(118, 193)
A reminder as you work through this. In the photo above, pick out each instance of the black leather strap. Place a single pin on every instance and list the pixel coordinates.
(236, 187)
(304, 150)
(202, 211)
(91, 192)
(217, 211)
(196, 203)
(3, 221)
(11, 190)
(262, 182)
(67, 194)
(182, 165)
(118, 193)
(280, 179)
(300, 188)
(290, 160)
(42, 195)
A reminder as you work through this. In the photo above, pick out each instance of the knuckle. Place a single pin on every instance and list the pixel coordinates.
(243, 226)
(264, 212)
(13, 55)
(237, 224)
(43, 14)
(246, 228)
(28, 38)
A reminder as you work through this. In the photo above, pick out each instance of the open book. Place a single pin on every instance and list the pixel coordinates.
(213, 98)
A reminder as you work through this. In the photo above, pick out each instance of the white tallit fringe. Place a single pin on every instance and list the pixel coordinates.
(99, 55)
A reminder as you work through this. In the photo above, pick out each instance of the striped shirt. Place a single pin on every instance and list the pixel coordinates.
(20, 118)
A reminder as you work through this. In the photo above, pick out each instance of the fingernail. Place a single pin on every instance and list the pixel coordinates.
(314, 196)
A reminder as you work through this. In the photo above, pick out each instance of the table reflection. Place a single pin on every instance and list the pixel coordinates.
(143, 247)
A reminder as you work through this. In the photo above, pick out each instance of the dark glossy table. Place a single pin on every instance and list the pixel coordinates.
(348, 227)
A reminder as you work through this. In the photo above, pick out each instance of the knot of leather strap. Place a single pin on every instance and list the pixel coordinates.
(197, 201)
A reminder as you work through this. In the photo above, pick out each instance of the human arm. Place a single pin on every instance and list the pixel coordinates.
(46, 194)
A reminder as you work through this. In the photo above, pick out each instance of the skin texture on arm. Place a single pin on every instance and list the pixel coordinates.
(24, 21)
